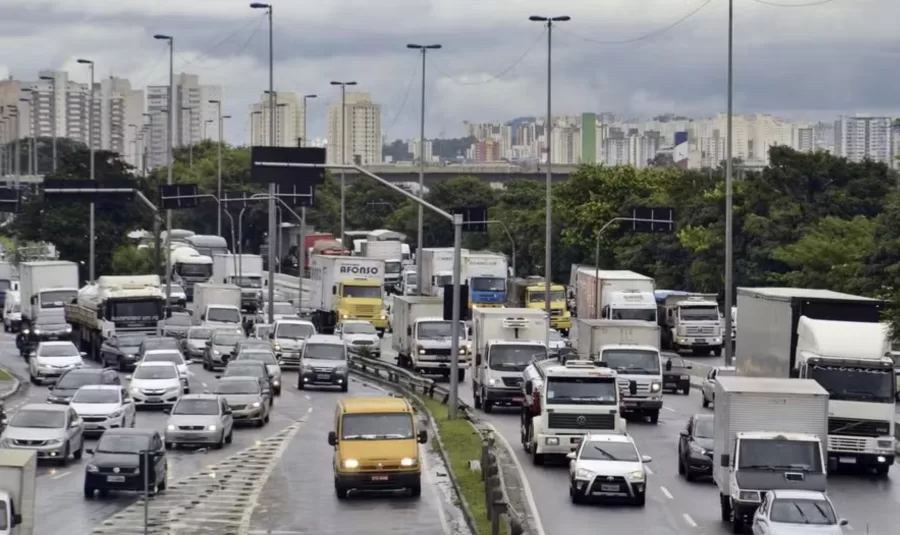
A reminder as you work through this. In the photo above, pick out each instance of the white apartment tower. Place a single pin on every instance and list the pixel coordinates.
(362, 122)
(858, 138)
(289, 121)
(195, 118)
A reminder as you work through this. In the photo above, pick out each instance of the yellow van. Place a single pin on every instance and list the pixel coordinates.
(376, 446)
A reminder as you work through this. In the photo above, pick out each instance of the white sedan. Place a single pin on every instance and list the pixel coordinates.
(796, 512)
(103, 407)
(175, 357)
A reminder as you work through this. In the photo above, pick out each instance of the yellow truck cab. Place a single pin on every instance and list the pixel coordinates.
(530, 293)
(376, 446)
(347, 288)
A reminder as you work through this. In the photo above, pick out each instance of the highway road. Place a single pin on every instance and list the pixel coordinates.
(275, 479)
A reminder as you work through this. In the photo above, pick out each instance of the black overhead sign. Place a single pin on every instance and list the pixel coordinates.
(280, 165)
(178, 196)
(650, 220)
(85, 190)
(296, 194)
(9, 200)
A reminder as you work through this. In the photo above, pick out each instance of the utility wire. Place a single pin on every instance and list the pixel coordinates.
(650, 35)
(814, 3)
(204, 55)
(502, 73)
(405, 97)
(148, 74)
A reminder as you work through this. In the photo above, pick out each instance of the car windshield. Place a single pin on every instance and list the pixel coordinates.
(128, 341)
(173, 357)
(155, 372)
(609, 451)
(179, 321)
(248, 282)
(436, 330)
(538, 297)
(245, 367)
(284, 309)
(77, 378)
(703, 428)
(294, 331)
(177, 289)
(226, 339)
(199, 334)
(60, 350)
(556, 337)
(631, 361)
(160, 343)
(57, 298)
(39, 418)
(376, 426)
(266, 357)
(224, 315)
(197, 406)
(114, 443)
(359, 328)
(514, 358)
(795, 511)
(243, 386)
(324, 351)
(96, 395)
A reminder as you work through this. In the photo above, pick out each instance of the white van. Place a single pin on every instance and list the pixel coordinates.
(12, 312)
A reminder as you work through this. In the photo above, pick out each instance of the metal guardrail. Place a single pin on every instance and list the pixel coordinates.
(500, 511)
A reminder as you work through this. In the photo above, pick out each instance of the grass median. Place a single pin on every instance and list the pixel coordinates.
(462, 443)
(5, 375)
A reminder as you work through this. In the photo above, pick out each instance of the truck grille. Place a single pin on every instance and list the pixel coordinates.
(439, 352)
(846, 444)
(858, 428)
(706, 330)
(367, 311)
(643, 389)
(581, 421)
(556, 312)
(512, 382)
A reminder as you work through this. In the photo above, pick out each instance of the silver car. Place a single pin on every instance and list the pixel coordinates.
(52, 431)
(272, 365)
(200, 419)
(360, 336)
(288, 338)
(324, 362)
(193, 345)
(244, 397)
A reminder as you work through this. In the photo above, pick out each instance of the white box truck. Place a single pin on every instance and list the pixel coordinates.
(46, 287)
(17, 491)
(505, 341)
(391, 252)
(218, 305)
(486, 275)
(422, 337)
(347, 288)
(632, 349)
(690, 321)
(244, 271)
(769, 435)
(615, 295)
(437, 269)
(838, 340)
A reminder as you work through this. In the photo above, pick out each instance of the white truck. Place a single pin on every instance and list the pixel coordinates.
(690, 321)
(391, 252)
(244, 271)
(190, 267)
(838, 340)
(615, 295)
(632, 349)
(437, 269)
(17, 491)
(347, 288)
(505, 341)
(217, 305)
(46, 287)
(563, 401)
(486, 274)
(422, 337)
(769, 435)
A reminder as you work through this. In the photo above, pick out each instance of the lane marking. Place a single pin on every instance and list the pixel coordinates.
(649, 471)
(538, 525)
(667, 493)
(689, 520)
(670, 409)
(60, 475)
(309, 410)
(307, 396)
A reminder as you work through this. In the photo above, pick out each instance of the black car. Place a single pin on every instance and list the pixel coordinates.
(695, 447)
(70, 381)
(251, 368)
(121, 351)
(120, 459)
(43, 330)
(150, 343)
(677, 375)
(177, 326)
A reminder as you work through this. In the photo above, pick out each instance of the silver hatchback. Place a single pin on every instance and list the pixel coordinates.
(200, 419)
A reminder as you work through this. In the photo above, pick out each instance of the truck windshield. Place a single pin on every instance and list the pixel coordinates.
(538, 297)
(488, 284)
(779, 454)
(376, 426)
(203, 271)
(411, 279)
(514, 358)
(57, 298)
(393, 267)
(581, 391)
(855, 384)
(699, 313)
(248, 282)
(638, 314)
(5, 284)
(431, 330)
(362, 292)
(136, 311)
(632, 361)
(211, 251)
(443, 280)
(4, 516)
(225, 315)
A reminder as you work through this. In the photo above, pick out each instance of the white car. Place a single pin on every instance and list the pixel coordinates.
(708, 390)
(103, 407)
(557, 342)
(607, 467)
(175, 357)
(51, 359)
(359, 336)
(282, 311)
(796, 512)
(155, 384)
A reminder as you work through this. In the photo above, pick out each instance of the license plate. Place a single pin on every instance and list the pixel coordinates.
(154, 400)
(323, 377)
(701, 341)
(847, 460)
(379, 478)
(609, 488)
(115, 479)
(629, 403)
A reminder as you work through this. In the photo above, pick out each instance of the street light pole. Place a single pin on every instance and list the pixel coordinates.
(190, 111)
(170, 138)
(421, 212)
(548, 127)
(90, 135)
(729, 195)
(220, 118)
(305, 122)
(52, 80)
(343, 152)
(135, 141)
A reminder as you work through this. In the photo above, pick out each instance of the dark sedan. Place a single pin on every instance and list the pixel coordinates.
(70, 381)
(695, 447)
(219, 348)
(677, 375)
(121, 351)
(251, 368)
(120, 459)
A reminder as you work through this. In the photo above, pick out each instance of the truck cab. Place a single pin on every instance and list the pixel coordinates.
(485, 273)
(690, 322)
(189, 268)
(243, 271)
(563, 402)
(531, 293)
(409, 284)
(361, 300)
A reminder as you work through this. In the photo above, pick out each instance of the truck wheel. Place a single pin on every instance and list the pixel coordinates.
(725, 507)
(717, 351)
(488, 404)
(737, 522)
(654, 417)
(461, 375)
(537, 459)
(475, 399)
(705, 401)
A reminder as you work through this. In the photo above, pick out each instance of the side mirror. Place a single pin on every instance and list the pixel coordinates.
(669, 365)
(332, 438)
(843, 522)
(167, 411)
(529, 388)
(271, 336)
(127, 377)
(571, 456)
(334, 290)
(422, 437)
(202, 317)
(409, 331)
(17, 519)
(646, 459)
(684, 433)
(477, 359)
(228, 410)
(725, 461)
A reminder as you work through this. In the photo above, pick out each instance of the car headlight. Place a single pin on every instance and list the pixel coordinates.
(174, 388)
(37, 331)
(25, 331)
(351, 463)
(581, 473)
(408, 461)
(211, 428)
(170, 427)
(115, 414)
(345, 316)
(636, 476)
(383, 317)
(55, 441)
(92, 469)
(276, 382)
(51, 397)
(886, 444)
(462, 351)
(654, 387)
(135, 390)
(277, 347)
(215, 352)
(255, 405)
(129, 356)
(748, 496)
(69, 329)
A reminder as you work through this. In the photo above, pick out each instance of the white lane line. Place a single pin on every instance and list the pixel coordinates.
(689, 520)
(307, 396)
(649, 471)
(60, 475)
(667, 493)
(538, 525)
(309, 410)
(670, 409)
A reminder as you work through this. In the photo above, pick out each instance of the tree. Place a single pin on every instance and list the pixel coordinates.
(130, 260)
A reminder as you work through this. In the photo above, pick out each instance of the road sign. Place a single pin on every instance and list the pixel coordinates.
(279, 165)
(9, 200)
(464, 310)
(81, 190)
(648, 219)
(474, 218)
(178, 196)
(296, 194)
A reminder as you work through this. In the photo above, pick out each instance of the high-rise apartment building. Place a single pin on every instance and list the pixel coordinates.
(195, 118)
(417, 149)
(362, 123)
(859, 138)
(289, 121)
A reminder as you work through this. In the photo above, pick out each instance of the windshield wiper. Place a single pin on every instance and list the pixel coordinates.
(802, 514)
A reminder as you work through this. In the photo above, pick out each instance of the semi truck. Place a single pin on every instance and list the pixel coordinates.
(690, 321)
(391, 253)
(769, 435)
(505, 341)
(837, 340)
(347, 288)
(189, 268)
(632, 349)
(437, 269)
(486, 274)
(616, 295)
(563, 401)
(218, 305)
(531, 293)
(18, 475)
(45, 288)
(422, 338)
(244, 271)
(124, 304)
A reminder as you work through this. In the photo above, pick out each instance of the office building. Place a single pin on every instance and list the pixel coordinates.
(194, 120)
(362, 123)
(289, 121)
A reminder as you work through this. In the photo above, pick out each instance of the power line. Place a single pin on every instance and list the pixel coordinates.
(204, 55)
(163, 53)
(405, 96)
(814, 3)
(654, 33)
(502, 73)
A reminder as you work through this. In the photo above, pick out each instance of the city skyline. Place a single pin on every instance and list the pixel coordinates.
(816, 76)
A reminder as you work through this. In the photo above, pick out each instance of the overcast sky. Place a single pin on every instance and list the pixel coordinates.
(630, 57)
